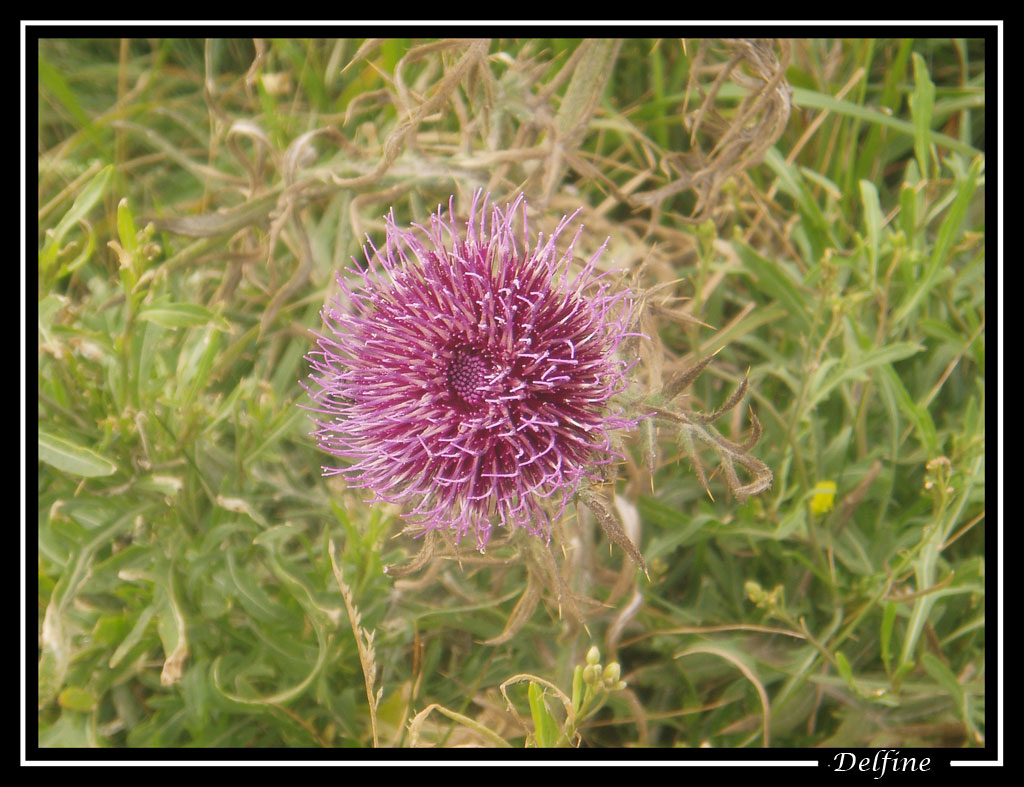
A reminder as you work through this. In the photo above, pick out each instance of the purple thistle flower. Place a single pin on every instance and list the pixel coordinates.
(469, 378)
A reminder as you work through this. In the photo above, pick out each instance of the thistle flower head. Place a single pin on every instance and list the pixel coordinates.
(468, 376)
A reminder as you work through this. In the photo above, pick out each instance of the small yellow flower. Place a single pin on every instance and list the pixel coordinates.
(824, 497)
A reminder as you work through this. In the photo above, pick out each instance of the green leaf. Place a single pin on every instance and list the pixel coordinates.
(49, 308)
(811, 99)
(885, 636)
(949, 231)
(859, 365)
(908, 211)
(84, 203)
(74, 698)
(133, 637)
(182, 315)
(889, 353)
(845, 671)
(53, 80)
(284, 695)
(144, 353)
(577, 688)
(72, 458)
(774, 281)
(791, 181)
(83, 256)
(872, 221)
(283, 424)
(919, 416)
(171, 629)
(55, 642)
(546, 730)
(110, 629)
(251, 596)
(195, 362)
(55, 650)
(70, 731)
(126, 227)
(944, 676)
(922, 100)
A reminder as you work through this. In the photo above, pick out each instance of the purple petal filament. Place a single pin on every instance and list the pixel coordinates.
(467, 377)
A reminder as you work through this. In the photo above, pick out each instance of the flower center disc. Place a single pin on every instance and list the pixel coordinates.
(466, 374)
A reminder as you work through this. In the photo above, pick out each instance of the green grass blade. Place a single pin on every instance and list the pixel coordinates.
(70, 457)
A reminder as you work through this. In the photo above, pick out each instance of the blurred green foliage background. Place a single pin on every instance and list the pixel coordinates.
(812, 210)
